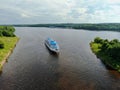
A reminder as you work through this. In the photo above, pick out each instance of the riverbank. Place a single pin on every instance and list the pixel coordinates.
(102, 52)
(85, 26)
(9, 45)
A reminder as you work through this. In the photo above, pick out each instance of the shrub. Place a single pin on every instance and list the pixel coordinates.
(98, 40)
(1, 44)
(1, 33)
(8, 33)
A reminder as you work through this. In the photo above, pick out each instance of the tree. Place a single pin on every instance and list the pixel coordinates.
(98, 40)
(1, 44)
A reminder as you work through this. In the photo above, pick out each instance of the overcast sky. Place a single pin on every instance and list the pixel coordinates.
(59, 11)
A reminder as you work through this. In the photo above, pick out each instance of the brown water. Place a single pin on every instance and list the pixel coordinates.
(33, 67)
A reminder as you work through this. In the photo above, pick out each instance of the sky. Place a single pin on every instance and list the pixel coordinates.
(59, 11)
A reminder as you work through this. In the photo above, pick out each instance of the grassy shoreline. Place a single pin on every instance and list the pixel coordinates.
(107, 60)
(10, 43)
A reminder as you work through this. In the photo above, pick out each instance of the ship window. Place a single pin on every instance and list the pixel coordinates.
(53, 43)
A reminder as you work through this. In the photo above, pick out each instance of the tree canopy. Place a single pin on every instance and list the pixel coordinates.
(7, 31)
(109, 51)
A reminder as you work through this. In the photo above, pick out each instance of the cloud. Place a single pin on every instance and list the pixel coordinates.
(25, 15)
(59, 11)
(113, 1)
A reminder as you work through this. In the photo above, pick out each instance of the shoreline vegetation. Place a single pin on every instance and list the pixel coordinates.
(85, 26)
(107, 51)
(8, 41)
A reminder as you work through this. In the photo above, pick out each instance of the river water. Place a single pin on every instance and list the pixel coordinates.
(32, 67)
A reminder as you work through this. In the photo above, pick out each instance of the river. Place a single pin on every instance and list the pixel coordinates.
(32, 67)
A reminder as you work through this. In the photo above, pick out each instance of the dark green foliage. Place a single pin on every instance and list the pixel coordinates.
(1, 44)
(111, 48)
(109, 51)
(114, 51)
(1, 33)
(98, 40)
(7, 31)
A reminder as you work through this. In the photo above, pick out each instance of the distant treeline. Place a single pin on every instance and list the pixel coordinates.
(7, 31)
(98, 27)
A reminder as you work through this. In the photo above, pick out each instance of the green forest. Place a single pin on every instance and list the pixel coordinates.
(107, 51)
(96, 27)
(7, 31)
